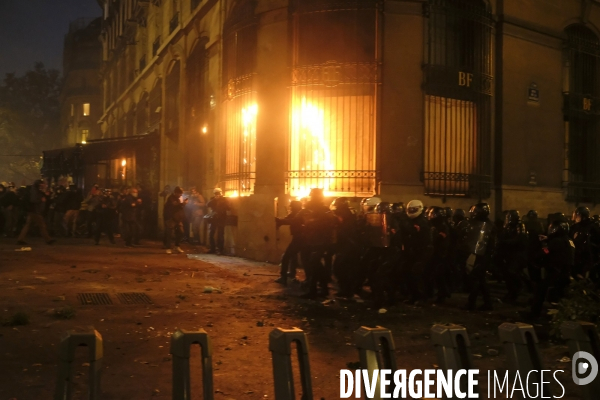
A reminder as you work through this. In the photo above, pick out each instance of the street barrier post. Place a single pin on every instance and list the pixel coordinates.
(452, 346)
(583, 336)
(520, 344)
(280, 345)
(69, 343)
(181, 343)
(376, 350)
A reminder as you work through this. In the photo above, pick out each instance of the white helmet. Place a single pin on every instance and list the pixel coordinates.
(368, 204)
(217, 190)
(414, 208)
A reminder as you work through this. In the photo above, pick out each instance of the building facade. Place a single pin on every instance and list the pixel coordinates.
(81, 95)
(448, 101)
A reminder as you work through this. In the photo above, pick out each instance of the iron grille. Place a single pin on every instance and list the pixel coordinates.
(582, 112)
(334, 97)
(241, 109)
(95, 299)
(458, 99)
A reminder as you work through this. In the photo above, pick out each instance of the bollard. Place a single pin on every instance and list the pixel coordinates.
(69, 342)
(181, 343)
(451, 343)
(376, 350)
(280, 341)
(583, 336)
(520, 344)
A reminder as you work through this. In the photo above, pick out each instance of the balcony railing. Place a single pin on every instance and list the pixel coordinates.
(448, 184)
(174, 23)
(583, 192)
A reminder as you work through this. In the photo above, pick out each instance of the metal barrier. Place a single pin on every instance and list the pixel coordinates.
(69, 342)
(520, 344)
(583, 336)
(376, 350)
(181, 343)
(280, 345)
(451, 343)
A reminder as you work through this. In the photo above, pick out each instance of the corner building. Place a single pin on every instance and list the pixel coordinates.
(449, 101)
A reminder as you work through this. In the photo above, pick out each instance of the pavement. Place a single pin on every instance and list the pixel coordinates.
(148, 295)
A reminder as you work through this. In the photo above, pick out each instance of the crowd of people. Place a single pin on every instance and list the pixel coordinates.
(422, 254)
(128, 213)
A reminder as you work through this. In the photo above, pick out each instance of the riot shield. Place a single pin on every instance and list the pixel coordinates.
(478, 237)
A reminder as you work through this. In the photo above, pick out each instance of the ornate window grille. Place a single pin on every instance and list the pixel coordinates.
(241, 109)
(458, 99)
(582, 113)
(172, 103)
(334, 93)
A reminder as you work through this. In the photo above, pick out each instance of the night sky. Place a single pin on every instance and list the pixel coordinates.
(33, 30)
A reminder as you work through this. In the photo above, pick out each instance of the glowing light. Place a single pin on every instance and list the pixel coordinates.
(123, 163)
(83, 142)
(234, 194)
(204, 129)
(249, 119)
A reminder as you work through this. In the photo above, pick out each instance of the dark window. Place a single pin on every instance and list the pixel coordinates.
(172, 102)
(582, 112)
(458, 90)
(141, 114)
(155, 104)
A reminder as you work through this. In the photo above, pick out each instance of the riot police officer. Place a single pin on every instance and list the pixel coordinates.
(346, 249)
(318, 234)
(480, 241)
(511, 254)
(437, 271)
(290, 256)
(557, 260)
(586, 237)
(534, 229)
(417, 239)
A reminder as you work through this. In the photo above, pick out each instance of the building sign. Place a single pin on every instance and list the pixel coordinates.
(465, 79)
(533, 93)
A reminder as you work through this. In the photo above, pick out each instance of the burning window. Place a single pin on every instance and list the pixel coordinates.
(458, 90)
(334, 98)
(241, 109)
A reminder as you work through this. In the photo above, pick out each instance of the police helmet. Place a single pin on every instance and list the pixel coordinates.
(558, 228)
(436, 214)
(414, 208)
(532, 214)
(582, 212)
(316, 194)
(382, 207)
(449, 212)
(480, 211)
(459, 215)
(340, 202)
(296, 205)
(368, 204)
(397, 208)
(512, 218)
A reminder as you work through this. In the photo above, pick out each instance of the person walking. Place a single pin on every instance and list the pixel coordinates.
(35, 205)
(173, 215)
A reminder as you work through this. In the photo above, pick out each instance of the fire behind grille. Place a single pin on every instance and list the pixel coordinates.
(134, 298)
(95, 299)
